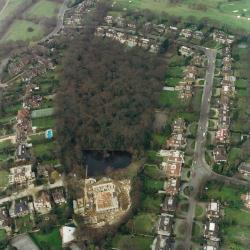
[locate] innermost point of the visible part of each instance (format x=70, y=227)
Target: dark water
x=98, y=162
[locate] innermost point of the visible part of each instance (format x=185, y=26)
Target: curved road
x=201, y=171
x=59, y=26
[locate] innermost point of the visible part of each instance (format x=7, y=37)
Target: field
x=19, y=15
x=43, y=9
x=237, y=229
x=142, y=223
x=50, y=241
x=11, y=8
x=226, y=13
x=4, y=175
x=23, y=30
x=44, y=122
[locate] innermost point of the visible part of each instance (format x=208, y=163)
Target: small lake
x=98, y=162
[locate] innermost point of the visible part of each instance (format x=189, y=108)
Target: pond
x=98, y=162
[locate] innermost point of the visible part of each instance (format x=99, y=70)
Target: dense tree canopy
x=107, y=97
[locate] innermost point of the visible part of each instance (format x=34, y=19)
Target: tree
x=106, y=100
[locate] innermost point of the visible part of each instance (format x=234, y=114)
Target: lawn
x=172, y=82
x=171, y=99
x=224, y=193
x=43, y=8
x=222, y=14
x=24, y=224
x=52, y=240
x=44, y=122
x=42, y=112
x=175, y=72
x=240, y=217
x=234, y=154
x=142, y=223
x=4, y=178
x=241, y=84
x=236, y=229
x=131, y=242
x=151, y=204
x=23, y=30
x=45, y=150
x=2, y=234
x=11, y=8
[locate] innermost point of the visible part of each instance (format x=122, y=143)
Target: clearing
x=23, y=30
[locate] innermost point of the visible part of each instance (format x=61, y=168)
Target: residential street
x=200, y=170
x=31, y=191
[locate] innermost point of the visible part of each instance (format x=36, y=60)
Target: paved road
x=200, y=170
x=59, y=25
x=31, y=191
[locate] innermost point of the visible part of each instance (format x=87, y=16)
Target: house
x=221, y=37
x=222, y=136
x=213, y=209
x=108, y=19
x=169, y=204
x=132, y=40
x=172, y=169
x=154, y=48
x=199, y=60
x=143, y=42
x=185, y=51
x=42, y=203
x=159, y=28
x=120, y=21
x=68, y=235
x=21, y=175
x=161, y=242
x=198, y=35
x=165, y=225
x=187, y=33
x=178, y=126
x=23, y=114
x=21, y=151
x=219, y=154
x=211, y=230
x=42, y=172
x=20, y=208
x=173, y=28
x=246, y=199
x=176, y=141
x=209, y=247
x=244, y=168
x=58, y=196
x=5, y=222
x=79, y=206
x=172, y=186
x=172, y=164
